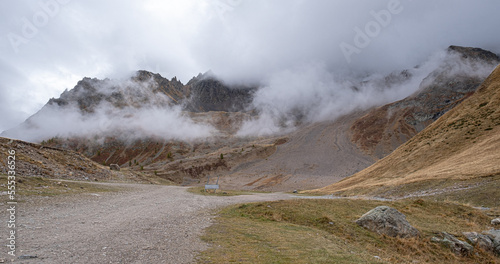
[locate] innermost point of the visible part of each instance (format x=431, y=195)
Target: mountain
x=318, y=154
x=457, y=152
x=383, y=129
x=203, y=93
x=145, y=105
x=159, y=127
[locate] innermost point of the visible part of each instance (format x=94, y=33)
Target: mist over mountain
x=145, y=105
x=149, y=105
x=455, y=79
x=241, y=41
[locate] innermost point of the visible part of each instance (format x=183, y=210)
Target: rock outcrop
x=388, y=221
x=458, y=247
x=494, y=235
x=480, y=240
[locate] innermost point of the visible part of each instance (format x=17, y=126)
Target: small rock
x=388, y=221
x=28, y=257
x=295, y=191
x=482, y=241
x=495, y=221
x=458, y=247
x=114, y=167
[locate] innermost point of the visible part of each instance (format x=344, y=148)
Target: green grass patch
x=324, y=231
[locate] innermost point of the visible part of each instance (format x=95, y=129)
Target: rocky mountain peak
x=474, y=53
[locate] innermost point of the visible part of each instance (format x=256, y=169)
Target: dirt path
x=147, y=224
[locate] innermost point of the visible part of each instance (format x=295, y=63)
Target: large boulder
x=459, y=247
x=388, y=221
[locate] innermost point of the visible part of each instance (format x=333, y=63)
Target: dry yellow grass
x=462, y=145
x=324, y=231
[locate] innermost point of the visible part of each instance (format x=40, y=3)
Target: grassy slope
x=324, y=231
x=456, y=150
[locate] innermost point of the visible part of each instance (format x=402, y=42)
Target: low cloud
x=137, y=113
x=256, y=41
x=313, y=94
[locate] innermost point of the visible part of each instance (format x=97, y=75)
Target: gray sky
x=47, y=46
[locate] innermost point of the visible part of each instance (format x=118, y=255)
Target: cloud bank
x=48, y=45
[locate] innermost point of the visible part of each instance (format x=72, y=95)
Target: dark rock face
x=388, y=221
x=209, y=94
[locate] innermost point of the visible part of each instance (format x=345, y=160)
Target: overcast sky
x=46, y=46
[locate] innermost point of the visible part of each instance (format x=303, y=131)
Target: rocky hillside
x=458, y=151
x=383, y=129
x=42, y=161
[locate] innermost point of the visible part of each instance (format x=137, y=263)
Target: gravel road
x=145, y=224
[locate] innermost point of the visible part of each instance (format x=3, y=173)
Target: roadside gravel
x=145, y=224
